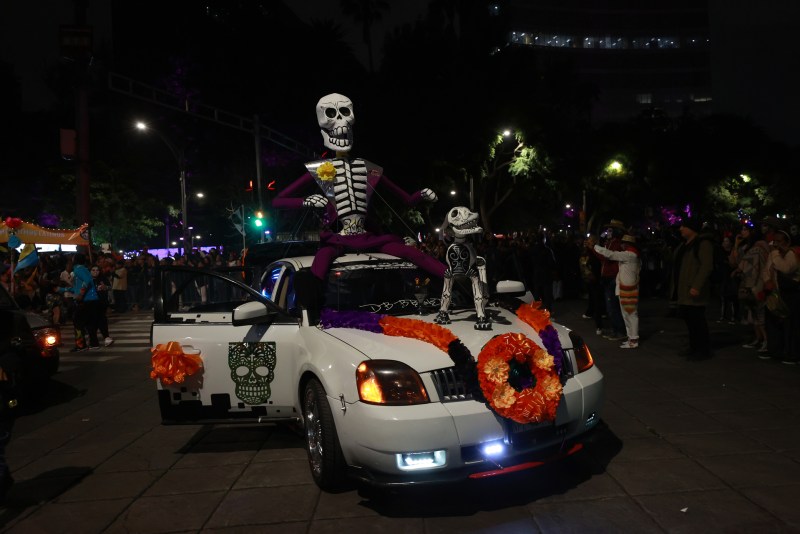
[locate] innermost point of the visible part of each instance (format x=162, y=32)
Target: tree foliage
x=120, y=215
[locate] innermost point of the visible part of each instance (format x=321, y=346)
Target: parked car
x=36, y=342
x=383, y=393
x=46, y=334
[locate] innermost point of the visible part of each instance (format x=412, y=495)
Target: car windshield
x=390, y=287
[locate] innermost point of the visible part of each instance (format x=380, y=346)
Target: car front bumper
x=375, y=439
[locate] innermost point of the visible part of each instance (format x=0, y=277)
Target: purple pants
x=334, y=245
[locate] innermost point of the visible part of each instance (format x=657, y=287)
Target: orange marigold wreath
x=518, y=379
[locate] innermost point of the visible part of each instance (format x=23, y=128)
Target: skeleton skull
x=336, y=118
x=252, y=370
x=463, y=222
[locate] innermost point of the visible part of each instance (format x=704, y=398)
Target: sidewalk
x=717, y=437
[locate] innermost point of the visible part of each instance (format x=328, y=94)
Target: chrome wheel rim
x=313, y=432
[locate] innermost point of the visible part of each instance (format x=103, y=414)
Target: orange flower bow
x=171, y=364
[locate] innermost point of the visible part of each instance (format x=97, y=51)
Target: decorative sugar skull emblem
x=252, y=369
x=336, y=118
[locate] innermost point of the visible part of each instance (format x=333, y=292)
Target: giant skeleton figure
x=462, y=260
x=347, y=186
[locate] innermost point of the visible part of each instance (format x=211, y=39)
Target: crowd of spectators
x=754, y=264
x=129, y=277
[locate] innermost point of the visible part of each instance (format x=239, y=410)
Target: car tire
x=325, y=458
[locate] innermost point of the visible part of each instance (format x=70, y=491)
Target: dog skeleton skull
x=463, y=261
x=336, y=117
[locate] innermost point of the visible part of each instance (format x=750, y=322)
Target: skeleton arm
x=287, y=198
x=409, y=200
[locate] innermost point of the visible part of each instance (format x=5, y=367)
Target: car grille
x=452, y=388
x=449, y=385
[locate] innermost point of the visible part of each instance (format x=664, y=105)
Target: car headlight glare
x=389, y=382
x=47, y=337
x=416, y=461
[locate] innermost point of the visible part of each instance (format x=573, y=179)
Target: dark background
x=433, y=94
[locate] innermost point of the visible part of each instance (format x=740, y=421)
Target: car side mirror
x=251, y=313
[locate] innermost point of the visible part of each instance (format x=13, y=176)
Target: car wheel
x=325, y=456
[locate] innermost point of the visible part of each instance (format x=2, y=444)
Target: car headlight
x=389, y=382
x=583, y=357
x=47, y=337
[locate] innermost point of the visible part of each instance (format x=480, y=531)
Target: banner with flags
x=28, y=257
x=31, y=233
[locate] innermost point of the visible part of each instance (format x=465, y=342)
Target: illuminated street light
x=745, y=178
x=200, y=195
x=615, y=166
x=181, y=161
x=506, y=133
x=453, y=193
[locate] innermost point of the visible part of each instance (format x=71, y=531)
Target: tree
x=508, y=168
x=120, y=214
x=365, y=12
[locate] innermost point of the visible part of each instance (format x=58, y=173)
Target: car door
x=248, y=372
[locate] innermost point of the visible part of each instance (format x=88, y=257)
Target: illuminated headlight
x=47, y=338
x=415, y=461
x=389, y=382
x=493, y=449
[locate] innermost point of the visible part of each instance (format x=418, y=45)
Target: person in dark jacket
x=690, y=286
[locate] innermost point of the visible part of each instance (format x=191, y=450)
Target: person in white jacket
x=627, y=286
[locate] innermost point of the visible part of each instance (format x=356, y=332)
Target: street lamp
x=181, y=161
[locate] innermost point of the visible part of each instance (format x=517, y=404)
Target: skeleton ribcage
x=460, y=258
x=350, y=190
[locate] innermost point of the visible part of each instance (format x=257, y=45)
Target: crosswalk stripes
x=130, y=332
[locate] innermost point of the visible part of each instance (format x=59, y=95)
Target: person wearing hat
x=609, y=268
x=750, y=258
x=627, y=285
x=690, y=286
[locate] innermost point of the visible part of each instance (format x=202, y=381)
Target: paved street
x=687, y=447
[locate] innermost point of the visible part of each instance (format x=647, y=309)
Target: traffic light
x=258, y=219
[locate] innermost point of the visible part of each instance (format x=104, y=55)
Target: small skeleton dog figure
x=463, y=261
x=347, y=186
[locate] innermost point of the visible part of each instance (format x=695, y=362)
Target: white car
x=388, y=407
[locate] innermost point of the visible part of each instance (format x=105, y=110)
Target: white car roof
x=301, y=262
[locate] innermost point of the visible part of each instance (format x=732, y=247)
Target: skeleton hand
x=428, y=195
x=315, y=201
x=410, y=241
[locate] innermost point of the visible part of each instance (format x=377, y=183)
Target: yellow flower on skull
x=496, y=370
x=326, y=171
x=503, y=396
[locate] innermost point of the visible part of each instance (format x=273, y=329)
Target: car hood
x=36, y=321
x=424, y=356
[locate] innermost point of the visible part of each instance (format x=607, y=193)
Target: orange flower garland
x=171, y=364
x=518, y=379
x=434, y=334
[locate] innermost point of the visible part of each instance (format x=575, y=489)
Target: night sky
x=281, y=72
x=755, y=52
